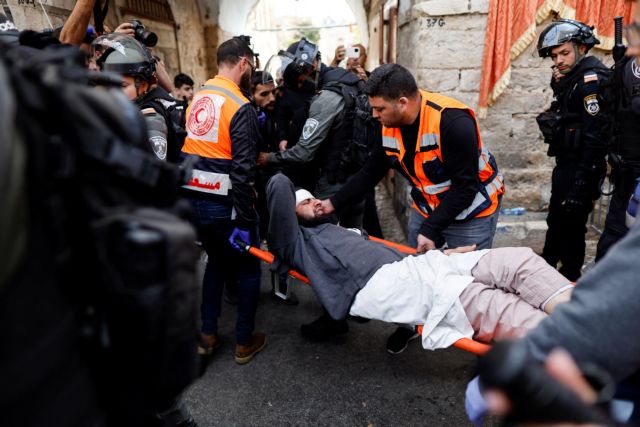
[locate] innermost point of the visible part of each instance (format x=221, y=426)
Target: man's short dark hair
x=232, y=50
x=258, y=77
x=182, y=79
x=391, y=81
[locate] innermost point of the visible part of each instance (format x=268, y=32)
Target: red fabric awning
x=511, y=28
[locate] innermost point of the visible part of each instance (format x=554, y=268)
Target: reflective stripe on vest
x=390, y=143
x=479, y=199
x=427, y=160
x=429, y=140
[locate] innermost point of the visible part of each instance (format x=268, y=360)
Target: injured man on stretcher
x=486, y=295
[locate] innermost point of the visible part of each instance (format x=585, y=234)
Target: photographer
x=356, y=56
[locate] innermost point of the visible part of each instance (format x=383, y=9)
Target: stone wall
x=441, y=42
x=181, y=46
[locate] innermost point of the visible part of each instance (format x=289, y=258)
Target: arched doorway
x=275, y=24
x=343, y=21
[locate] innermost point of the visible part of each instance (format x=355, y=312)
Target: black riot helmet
x=304, y=56
x=123, y=55
x=562, y=31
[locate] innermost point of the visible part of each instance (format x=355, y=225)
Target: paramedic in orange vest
x=434, y=142
x=222, y=131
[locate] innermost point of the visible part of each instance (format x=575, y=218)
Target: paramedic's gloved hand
x=242, y=235
x=474, y=402
x=326, y=207
x=425, y=244
x=262, y=119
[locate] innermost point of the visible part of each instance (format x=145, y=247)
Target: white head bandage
x=302, y=195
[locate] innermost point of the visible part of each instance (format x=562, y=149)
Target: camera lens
x=149, y=38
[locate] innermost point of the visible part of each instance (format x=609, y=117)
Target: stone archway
x=233, y=16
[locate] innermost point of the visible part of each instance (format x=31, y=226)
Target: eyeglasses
x=253, y=67
x=632, y=34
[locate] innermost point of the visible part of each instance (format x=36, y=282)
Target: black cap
x=8, y=31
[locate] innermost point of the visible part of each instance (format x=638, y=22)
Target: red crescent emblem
x=202, y=116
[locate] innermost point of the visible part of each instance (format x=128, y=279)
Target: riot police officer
x=125, y=55
x=624, y=152
x=574, y=129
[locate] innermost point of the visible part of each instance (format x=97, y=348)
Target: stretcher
x=466, y=344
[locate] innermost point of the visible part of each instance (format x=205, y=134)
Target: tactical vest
x=347, y=145
x=208, y=136
x=430, y=185
x=158, y=99
x=628, y=117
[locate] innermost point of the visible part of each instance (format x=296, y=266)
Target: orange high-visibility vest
x=208, y=135
x=429, y=183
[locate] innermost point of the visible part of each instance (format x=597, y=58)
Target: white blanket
x=422, y=290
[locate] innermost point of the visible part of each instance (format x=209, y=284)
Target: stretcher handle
x=398, y=246
x=465, y=344
x=268, y=257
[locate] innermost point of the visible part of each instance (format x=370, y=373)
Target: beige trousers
x=510, y=285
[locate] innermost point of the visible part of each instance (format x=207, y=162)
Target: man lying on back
x=488, y=294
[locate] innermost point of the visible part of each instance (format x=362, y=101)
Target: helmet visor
x=558, y=35
x=275, y=68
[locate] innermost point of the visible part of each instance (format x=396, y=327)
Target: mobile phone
x=353, y=52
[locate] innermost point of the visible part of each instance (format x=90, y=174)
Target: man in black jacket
x=573, y=128
x=624, y=152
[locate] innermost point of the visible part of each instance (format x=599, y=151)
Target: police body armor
x=629, y=112
x=165, y=106
x=560, y=126
x=349, y=144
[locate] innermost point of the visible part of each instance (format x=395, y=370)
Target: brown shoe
x=208, y=343
x=244, y=353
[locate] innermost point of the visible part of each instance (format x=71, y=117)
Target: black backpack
x=99, y=314
x=352, y=143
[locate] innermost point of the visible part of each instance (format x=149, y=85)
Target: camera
x=147, y=38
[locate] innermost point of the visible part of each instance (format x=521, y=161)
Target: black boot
x=324, y=328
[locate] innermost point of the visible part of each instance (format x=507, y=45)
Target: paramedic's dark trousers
x=214, y=224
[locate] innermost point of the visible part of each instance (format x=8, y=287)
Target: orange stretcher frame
x=466, y=344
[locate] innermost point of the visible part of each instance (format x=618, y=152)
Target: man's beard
x=245, y=82
x=312, y=222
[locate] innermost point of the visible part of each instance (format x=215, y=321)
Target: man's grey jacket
x=337, y=261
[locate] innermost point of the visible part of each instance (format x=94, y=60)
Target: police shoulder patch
x=309, y=128
x=591, y=105
x=159, y=146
